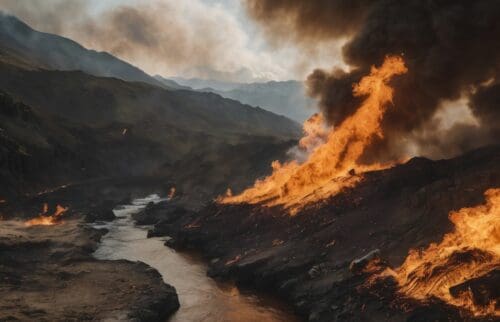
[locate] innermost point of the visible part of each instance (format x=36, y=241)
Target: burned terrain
x=322, y=259
x=349, y=222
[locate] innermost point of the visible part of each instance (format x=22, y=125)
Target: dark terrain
x=61, y=121
x=48, y=273
x=305, y=259
x=88, y=131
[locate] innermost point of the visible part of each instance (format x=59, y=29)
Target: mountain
x=171, y=83
x=122, y=128
x=286, y=98
x=201, y=84
x=59, y=53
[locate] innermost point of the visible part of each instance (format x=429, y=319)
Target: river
x=201, y=298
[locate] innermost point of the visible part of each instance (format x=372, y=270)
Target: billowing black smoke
x=451, y=48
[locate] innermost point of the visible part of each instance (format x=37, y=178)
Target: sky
x=188, y=38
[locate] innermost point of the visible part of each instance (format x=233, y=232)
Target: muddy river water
x=201, y=298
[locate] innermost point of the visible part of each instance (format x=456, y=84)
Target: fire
x=316, y=133
x=333, y=152
x=44, y=219
x=471, y=250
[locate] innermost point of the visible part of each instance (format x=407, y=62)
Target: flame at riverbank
x=46, y=219
x=470, y=251
x=327, y=170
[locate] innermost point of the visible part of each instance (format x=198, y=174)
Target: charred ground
x=306, y=258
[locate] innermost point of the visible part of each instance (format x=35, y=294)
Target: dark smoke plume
x=451, y=48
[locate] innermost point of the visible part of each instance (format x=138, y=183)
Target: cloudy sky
x=191, y=38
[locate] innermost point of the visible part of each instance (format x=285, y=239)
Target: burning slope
x=45, y=219
x=472, y=250
x=328, y=169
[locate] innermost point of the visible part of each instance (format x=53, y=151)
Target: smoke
x=46, y=15
x=167, y=37
x=451, y=49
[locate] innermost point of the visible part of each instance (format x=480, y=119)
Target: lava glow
x=333, y=154
x=44, y=219
x=471, y=250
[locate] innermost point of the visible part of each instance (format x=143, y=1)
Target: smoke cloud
x=191, y=38
x=451, y=49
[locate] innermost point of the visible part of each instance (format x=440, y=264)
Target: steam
x=451, y=49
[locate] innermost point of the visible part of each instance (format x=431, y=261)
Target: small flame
x=470, y=251
x=333, y=153
x=171, y=193
x=44, y=219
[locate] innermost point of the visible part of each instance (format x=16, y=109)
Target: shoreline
x=50, y=273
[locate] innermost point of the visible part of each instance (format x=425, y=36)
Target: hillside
x=321, y=260
x=283, y=98
x=39, y=151
x=121, y=128
x=200, y=83
x=98, y=101
x=286, y=98
x=59, y=53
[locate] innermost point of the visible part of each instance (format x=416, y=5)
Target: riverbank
x=201, y=297
x=49, y=273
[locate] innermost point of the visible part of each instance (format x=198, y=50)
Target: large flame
x=470, y=251
x=327, y=170
x=45, y=219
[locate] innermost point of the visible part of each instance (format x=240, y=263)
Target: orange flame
x=435, y=270
x=44, y=219
x=316, y=133
x=326, y=172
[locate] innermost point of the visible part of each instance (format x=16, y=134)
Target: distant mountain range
x=286, y=98
x=90, y=110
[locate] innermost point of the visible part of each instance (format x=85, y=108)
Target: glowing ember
x=171, y=194
x=326, y=172
x=44, y=219
x=470, y=251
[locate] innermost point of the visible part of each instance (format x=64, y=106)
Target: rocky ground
x=47, y=273
x=306, y=259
